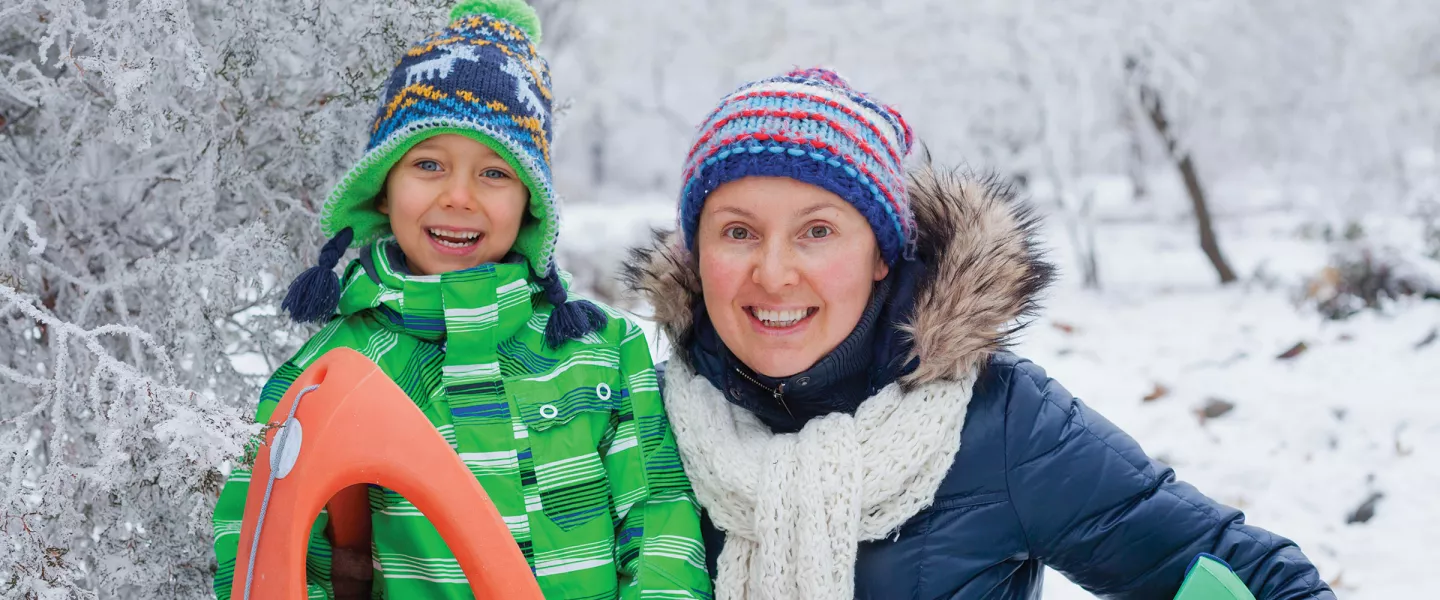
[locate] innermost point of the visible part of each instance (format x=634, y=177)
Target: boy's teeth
x=454, y=239
x=455, y=235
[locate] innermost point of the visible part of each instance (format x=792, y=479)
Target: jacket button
x=549, y=411
x=603, y=391
x=803, y=381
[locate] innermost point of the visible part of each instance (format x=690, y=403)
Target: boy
x=551, y=402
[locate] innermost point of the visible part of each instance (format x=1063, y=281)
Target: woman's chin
x=776, y=364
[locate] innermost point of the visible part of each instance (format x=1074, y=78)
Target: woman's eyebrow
x=814, y=208
x=745, y=214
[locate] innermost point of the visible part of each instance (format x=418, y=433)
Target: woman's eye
x=495, y=174
x=428, y=165
x=820, y=231
x=737, y=233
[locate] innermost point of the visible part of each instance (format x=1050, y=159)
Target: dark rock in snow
x=1215, y=408
x=1366, y=510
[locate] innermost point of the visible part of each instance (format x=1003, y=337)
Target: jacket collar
x=493, y=299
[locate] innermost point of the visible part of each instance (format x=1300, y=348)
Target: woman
x=841, y=398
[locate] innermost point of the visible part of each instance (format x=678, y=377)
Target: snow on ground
x=1309, y=439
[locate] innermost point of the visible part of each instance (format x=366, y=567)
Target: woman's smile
x=780, y=321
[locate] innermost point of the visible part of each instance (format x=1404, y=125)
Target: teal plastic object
x=1209, y=578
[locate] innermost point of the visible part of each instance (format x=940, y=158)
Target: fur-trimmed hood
x=984, y=273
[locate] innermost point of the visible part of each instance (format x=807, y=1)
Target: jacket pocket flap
x=547, y=404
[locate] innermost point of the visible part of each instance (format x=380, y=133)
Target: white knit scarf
x=796, y=506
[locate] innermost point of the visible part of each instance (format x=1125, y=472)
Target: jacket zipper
x=778, y=393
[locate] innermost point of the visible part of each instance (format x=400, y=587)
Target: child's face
x=453, y=204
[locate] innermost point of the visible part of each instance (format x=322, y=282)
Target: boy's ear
x=382, y=204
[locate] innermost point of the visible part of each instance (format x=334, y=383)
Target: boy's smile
x=453, y=204
x=455, y=242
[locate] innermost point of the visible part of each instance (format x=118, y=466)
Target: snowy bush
x=1363, y=276
x=163, y=163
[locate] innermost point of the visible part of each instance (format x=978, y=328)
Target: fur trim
x=665, y=274
x=984, y=273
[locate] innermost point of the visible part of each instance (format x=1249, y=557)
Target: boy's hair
x=480, y=77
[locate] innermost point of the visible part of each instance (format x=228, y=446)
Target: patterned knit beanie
x=811, y=126
x=480, y=77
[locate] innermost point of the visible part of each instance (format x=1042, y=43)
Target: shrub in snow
x=1361, y=276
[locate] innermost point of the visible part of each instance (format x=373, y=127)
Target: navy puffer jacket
x=1039, y=478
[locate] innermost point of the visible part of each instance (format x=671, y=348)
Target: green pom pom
x=517, y=12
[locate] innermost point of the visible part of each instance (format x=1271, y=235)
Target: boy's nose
x=459, y=194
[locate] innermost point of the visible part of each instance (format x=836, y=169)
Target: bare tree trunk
x=1208, y=242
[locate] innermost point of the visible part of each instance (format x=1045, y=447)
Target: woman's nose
x=776, y=269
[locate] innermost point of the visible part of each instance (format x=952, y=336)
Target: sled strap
x=282, y=439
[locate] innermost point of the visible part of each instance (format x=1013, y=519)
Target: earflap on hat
x=314, y=295
x=570, y=319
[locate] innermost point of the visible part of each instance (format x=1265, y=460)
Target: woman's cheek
x=836, y=274
x=721, y=271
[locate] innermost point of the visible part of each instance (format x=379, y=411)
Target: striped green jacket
x=572, y=444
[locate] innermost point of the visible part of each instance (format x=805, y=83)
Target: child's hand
x=351, y=573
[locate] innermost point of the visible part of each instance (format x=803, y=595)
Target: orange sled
x=355, y=426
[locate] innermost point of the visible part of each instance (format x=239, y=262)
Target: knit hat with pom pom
x=480, y=77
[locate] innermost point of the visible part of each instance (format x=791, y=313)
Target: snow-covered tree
x=163, y=163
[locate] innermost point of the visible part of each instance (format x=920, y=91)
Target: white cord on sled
x=277, y=452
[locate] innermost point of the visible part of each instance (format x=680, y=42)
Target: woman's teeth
x=781, y=318
x=454, y=239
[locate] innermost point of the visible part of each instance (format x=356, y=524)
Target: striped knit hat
x=480, y=77
x=811, y=126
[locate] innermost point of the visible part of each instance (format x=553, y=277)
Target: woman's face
x=786, y=269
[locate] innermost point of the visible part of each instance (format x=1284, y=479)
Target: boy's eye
x=737, y=233
x=494, y=174
x=428, y=165
x=820, y=231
